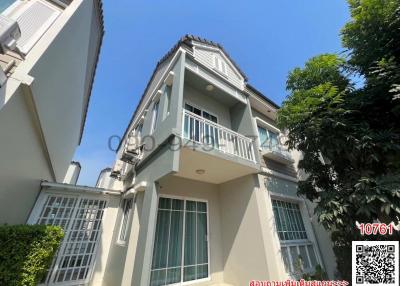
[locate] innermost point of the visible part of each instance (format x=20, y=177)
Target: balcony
x=275, y=151
x=215, y=136
x=213, y=153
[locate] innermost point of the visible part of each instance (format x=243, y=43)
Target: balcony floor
x=217, y=170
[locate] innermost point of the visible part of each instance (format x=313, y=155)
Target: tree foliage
x=349, y=134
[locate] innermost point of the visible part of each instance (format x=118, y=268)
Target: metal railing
x=215, y=136
x=275, y=147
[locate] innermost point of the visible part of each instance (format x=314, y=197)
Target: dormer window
x=219, y=64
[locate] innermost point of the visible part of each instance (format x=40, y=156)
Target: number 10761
x=375, y=228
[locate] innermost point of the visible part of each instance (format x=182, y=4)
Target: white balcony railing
x=215, y=136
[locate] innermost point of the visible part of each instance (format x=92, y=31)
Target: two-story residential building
x=203, y=191
x=48, y=55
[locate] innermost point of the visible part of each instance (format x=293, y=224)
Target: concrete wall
x=245, y=234
x=41, y=109
x=72, y=175
x=207, y=103
x=23, y=161
x=109, y=231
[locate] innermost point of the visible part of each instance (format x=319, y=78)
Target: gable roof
x=186, y=41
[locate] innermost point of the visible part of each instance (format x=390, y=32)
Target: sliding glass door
x=180, y=251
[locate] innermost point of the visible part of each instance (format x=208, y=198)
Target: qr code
x=375, y=263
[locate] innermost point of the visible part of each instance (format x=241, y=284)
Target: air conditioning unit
x=133, y=150
x=117, y=170
x=9, y=33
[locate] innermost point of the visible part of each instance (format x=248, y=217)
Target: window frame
x=268, y=127
x=202, y=110
x=155, y=113
x=127, y=217
x=187, y=198
x=311, y=239
x=168, y=96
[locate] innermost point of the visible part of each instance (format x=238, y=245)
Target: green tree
x=349, y=134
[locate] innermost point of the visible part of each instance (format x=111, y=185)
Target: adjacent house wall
x=58, y=65
x=23, y=162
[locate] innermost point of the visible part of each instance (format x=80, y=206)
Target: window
x=155, y=116
x=201, y=132
x=297, y=250
x=167, y=91
x=138, y=130
x=201, y=113
x=126, y=208
x=268, y=139
x=180, y=251
x=219, y=64
x=34, y=18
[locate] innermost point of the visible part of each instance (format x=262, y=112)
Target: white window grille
x=126, y=208
x=81, y=219
x=297, y=250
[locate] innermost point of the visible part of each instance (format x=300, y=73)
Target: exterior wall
x=207, y=103
x=245, y=233
x=110, y=228
x=61, y=94
x=72, y=173
x=23, y=161
x=42, y=110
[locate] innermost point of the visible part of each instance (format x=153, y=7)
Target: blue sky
x=266, y=39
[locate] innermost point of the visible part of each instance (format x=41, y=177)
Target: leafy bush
x=26, y=252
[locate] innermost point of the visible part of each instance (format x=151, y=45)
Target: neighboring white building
x=46, y=77
x=202, y=192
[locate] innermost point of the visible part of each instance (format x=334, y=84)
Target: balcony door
x=203, y=131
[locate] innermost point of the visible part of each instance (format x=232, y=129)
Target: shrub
x=26, y=252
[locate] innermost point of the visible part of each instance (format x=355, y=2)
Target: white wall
x=72, y=175
x=22, y=160
x=58, y=64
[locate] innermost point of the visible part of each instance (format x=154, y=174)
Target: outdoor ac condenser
x=132, y=150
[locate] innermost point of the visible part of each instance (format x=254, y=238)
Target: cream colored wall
x=22, y=160
x=110, y=227
x=72, y=175
x=248, y=251
x=58, y=66
x=41, y=110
